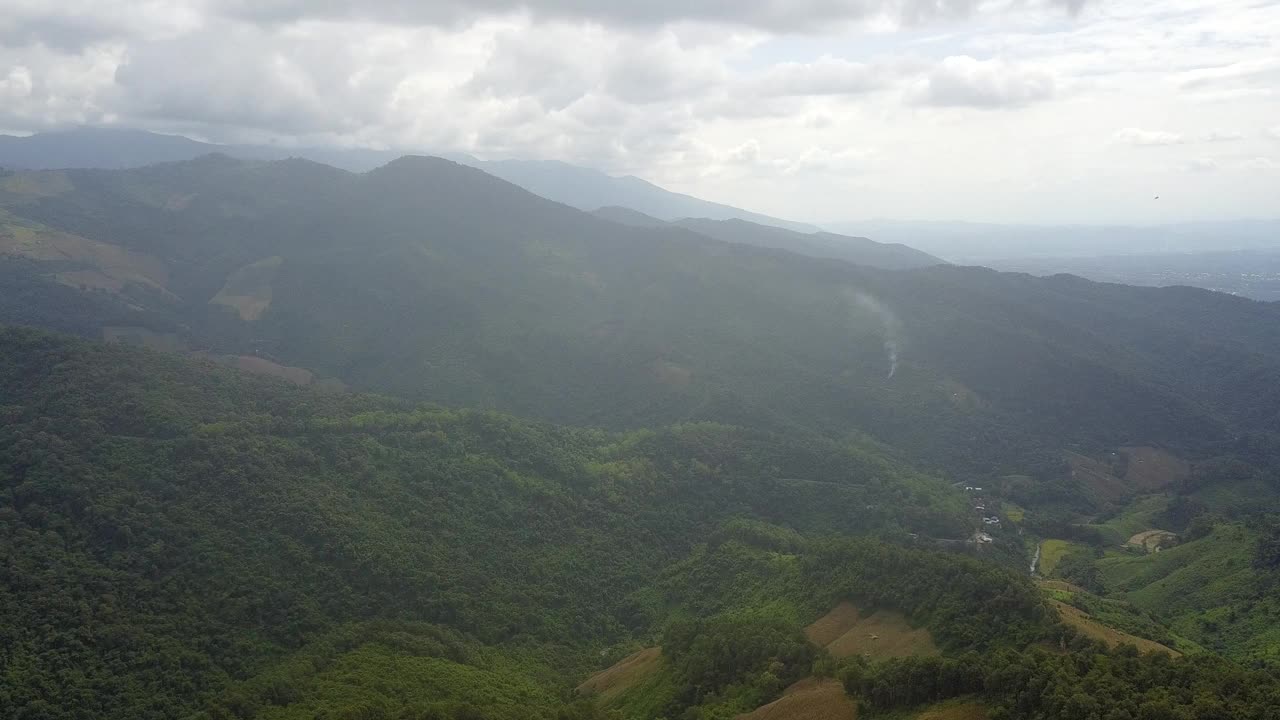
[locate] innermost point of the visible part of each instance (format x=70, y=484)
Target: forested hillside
x=169, y=528
x=181, y=540
x=428, y=280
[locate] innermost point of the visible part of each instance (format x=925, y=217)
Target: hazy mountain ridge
x=861, y=251
x=431, y=280
x=583, y=188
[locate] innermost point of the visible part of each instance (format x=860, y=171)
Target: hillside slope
x=169, y=529
x=433, y=281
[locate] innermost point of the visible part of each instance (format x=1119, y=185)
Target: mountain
x=179, y=540
x=583, y=188
x=588, y=189
x=861, y=251
x=742, y=480
x=96, y=148
x=430, y=280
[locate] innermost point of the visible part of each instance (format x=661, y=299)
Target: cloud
x=1261, y=74
x=1202, y=165
x=765, y=15
x=826, y=76
x=1148, y=138
x=1264, y=164
x=963, y=81
x=1274, y=132
x=1216, y=136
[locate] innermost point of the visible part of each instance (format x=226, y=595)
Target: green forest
x=283, y=442
x=181, y=540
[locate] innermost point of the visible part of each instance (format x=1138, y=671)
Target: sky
x=1030, y=111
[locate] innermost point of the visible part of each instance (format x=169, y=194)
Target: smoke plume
x=889, y=322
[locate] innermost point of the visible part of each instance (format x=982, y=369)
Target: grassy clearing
x=1088, y=625
x=1150, y=468
x=1205, y=590
x=627, y=673
x=1052, y=551
x=1139, y=516
x=810, y=699
x=248, y=290
x=846, y=631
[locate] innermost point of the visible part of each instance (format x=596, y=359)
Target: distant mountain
x=1249, y=273
x=588, y=189
x=97, y=148
x=579, y=187
x=815, y=244
x=982, y=243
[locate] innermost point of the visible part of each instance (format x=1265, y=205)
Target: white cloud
x=789, y=108
x=825, y=76
x=1274, y=132
x=1202, y=165
x=963, y=81
x=1216, y=136
x=1148, y=138
x=1265, y=164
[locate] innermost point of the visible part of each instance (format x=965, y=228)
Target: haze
x=1026, y=111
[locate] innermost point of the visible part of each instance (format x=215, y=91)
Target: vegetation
x=1088, y=684
x=175, y=532
x=762, y=438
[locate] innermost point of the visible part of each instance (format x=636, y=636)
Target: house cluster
x=980, y=507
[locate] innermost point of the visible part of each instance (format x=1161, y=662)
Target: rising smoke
x=889, y=322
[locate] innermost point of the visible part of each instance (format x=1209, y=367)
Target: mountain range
x=283, y=440
x=583, y=188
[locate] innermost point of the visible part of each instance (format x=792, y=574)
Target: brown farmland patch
x=1085, y=623
x=248, y=290
x=113, y=267
x=1097, y=477
x=846, y=631
x=1151, y=468
x=1153, y=540
x=261, y=366
x=624, y=674
x=809, y=699
x=955, y=710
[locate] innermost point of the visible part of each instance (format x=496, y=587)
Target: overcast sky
x=1006, y=111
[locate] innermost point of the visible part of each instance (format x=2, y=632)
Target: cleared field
x=1151, y=468
x=846, y=631
x=1112, y=637
x=625, y=674
x=248, y=290
x=1140, y=515
x=113, y=267
x=809, y=699
x=1097, y=477
x=1152, y=540
x=1051, y=552
x=955, y=710
x=260, y=366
